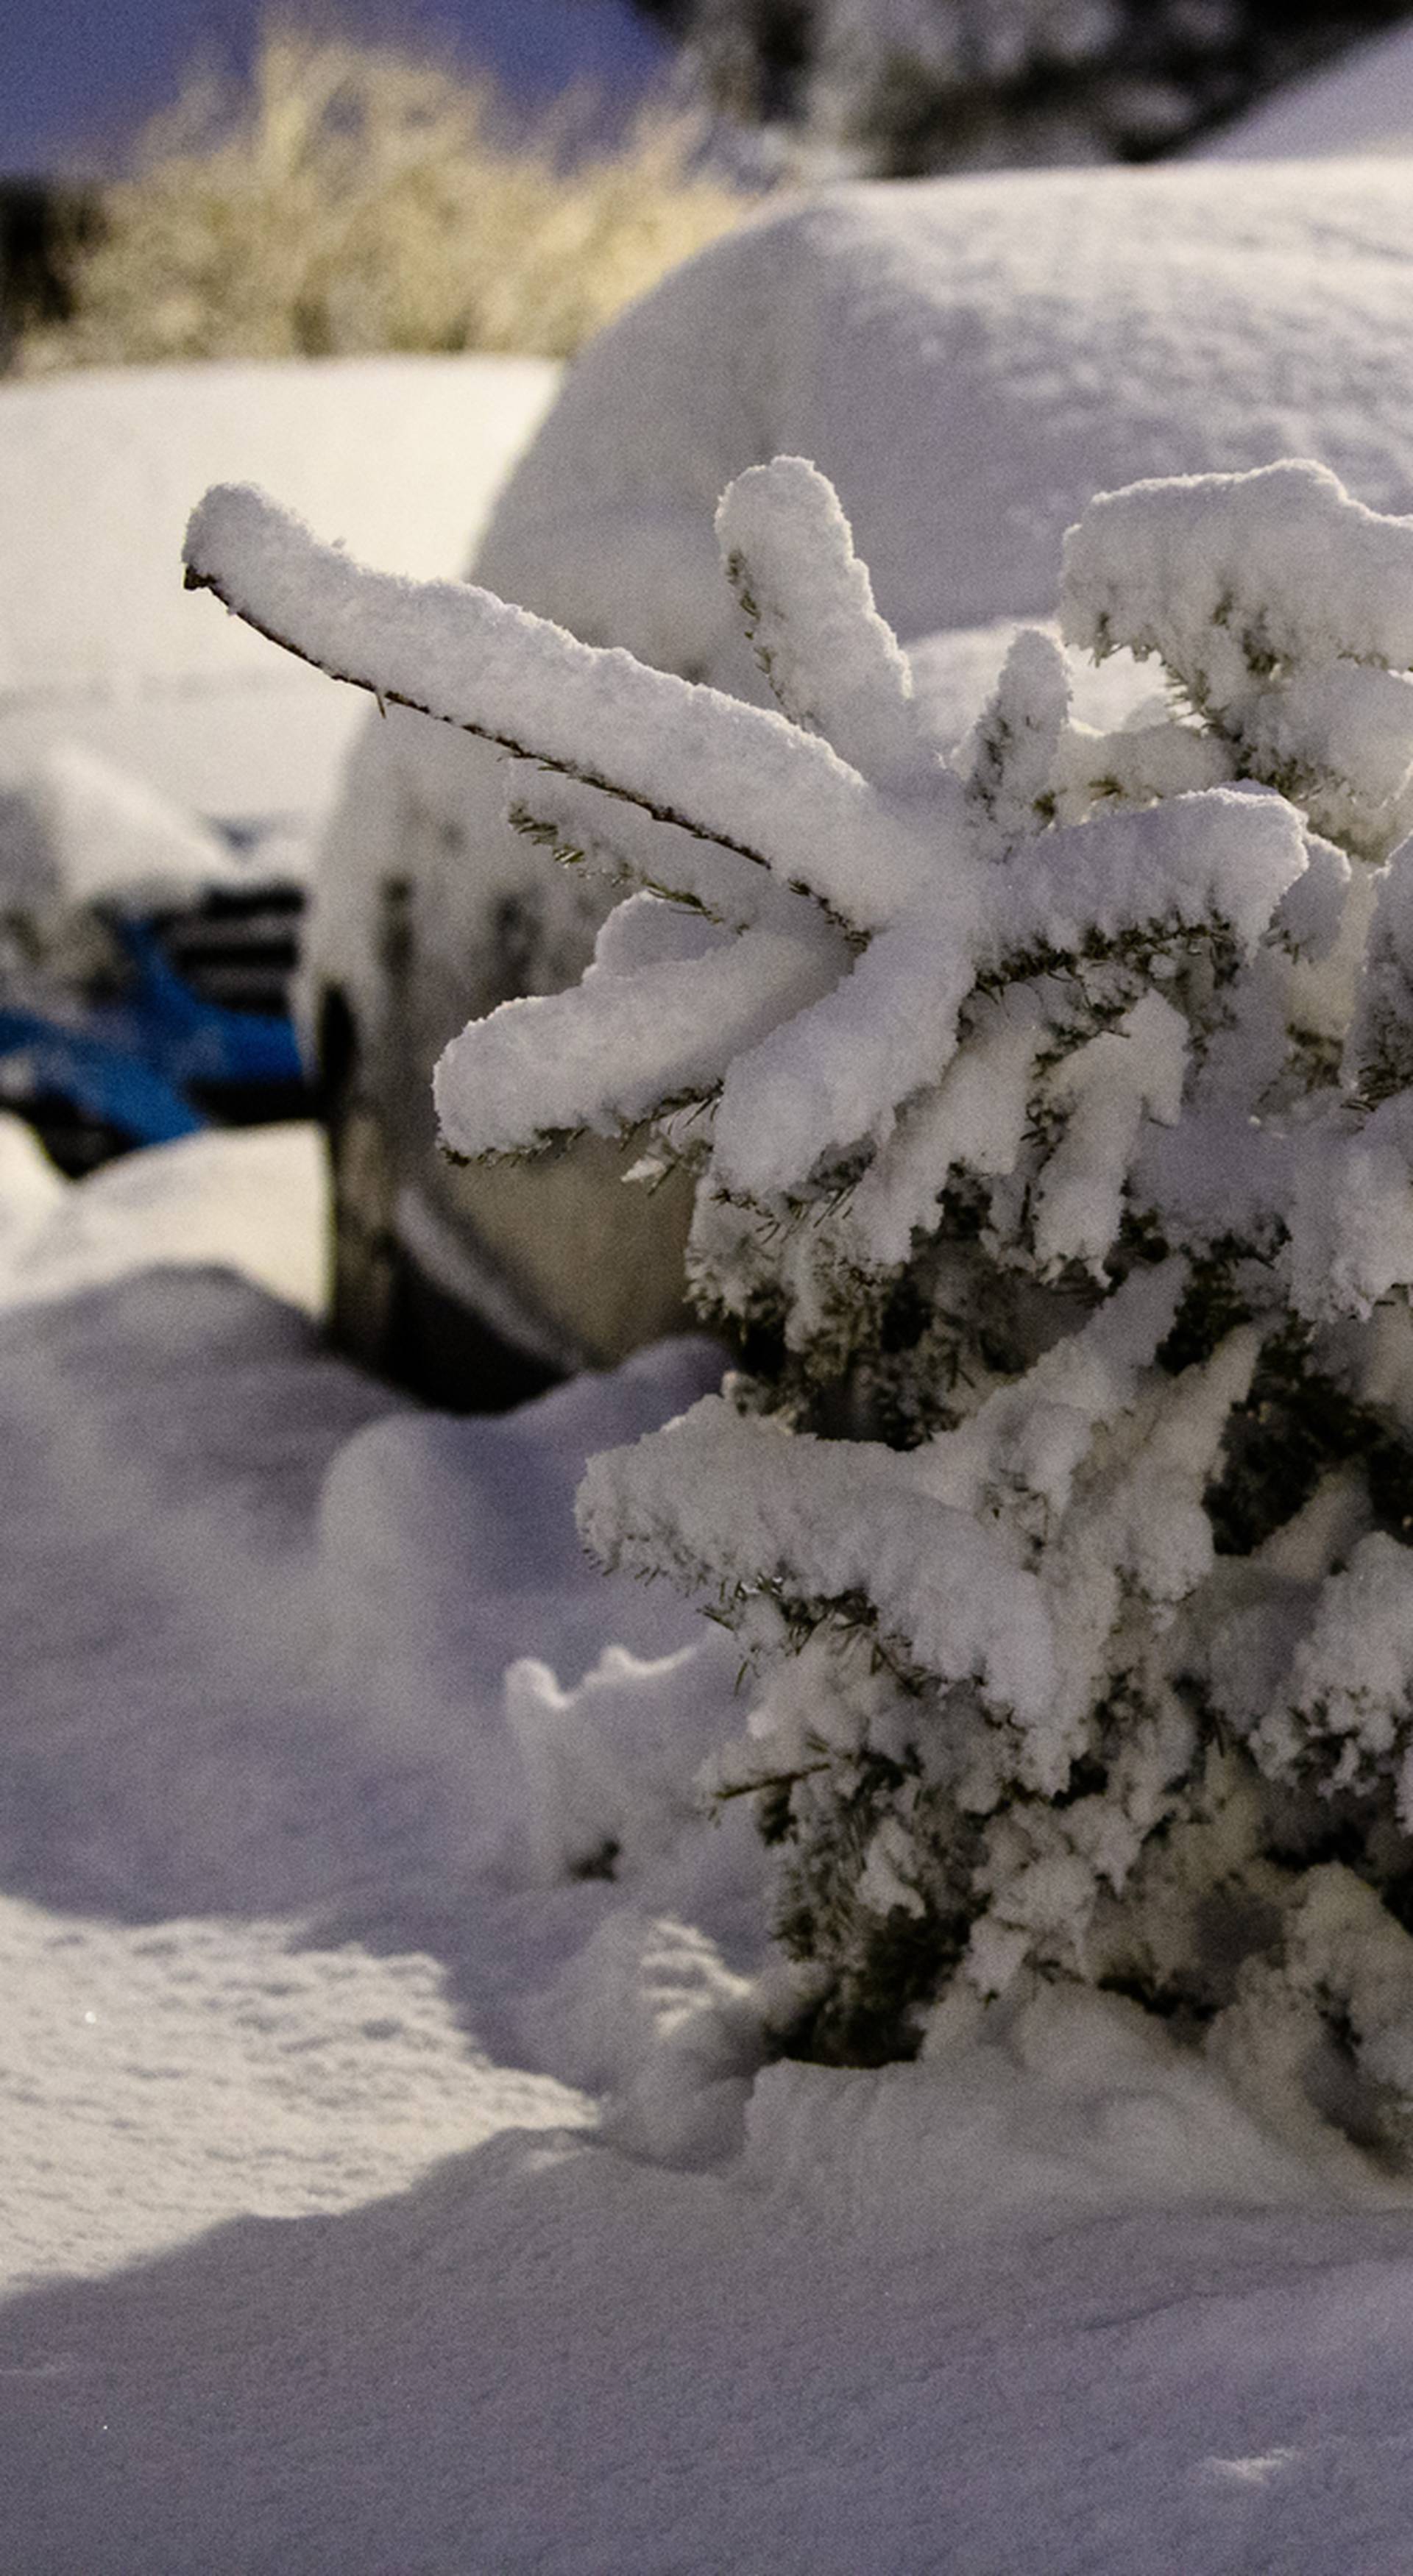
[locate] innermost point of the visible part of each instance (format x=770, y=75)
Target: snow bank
x=253, y=1198
x=611, y=1765
x=647, y=2014
x=183, y=2073
x=1073, y=2105
x=448, y=1547
x=31, y=1188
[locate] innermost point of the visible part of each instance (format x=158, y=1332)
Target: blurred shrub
x=355, y=198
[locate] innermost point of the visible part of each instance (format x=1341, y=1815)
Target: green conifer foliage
x=1050, y=1115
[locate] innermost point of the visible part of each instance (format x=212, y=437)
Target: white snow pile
x=969, y=361
x=1363, y=102
x=253, y=1199
x=74, y=826
x=350, y=1849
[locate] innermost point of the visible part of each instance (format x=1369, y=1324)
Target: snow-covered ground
x=381, y=2197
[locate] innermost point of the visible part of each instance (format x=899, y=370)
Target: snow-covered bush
x=355, y=197
x=1051, y=1113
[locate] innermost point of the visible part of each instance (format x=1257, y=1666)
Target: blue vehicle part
x=143, y=1063
x=181, y=1035
x=110, y=1086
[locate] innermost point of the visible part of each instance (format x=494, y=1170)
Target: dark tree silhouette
x=907, y=86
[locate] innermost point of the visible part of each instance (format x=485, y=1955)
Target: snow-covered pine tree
x=1051, y=1112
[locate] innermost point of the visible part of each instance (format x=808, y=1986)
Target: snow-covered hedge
x=1051, y=1112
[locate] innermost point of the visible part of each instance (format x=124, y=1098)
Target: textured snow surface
x=380, y=2195
x=183, y=2073
x=968, y=361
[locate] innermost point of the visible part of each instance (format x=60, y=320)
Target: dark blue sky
x=75, y=73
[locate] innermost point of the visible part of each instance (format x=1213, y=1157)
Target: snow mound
x=252, y=1198
x=32, y=1190
x=448, y=1547
x=1074, y=2105
x=648, y=2014
x=611, y=1764
x=968, y=361
x=1049, y=2302
x=1361, y=103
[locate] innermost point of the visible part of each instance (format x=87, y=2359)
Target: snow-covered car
x=969, y=362
x=166, y=768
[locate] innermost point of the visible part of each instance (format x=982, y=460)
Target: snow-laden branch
x=719, y=1499
x=1283, y=609
x=682, y=752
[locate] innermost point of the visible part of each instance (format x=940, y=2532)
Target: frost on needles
x=1050, y=1109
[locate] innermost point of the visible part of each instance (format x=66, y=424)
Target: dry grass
x=354, y=198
